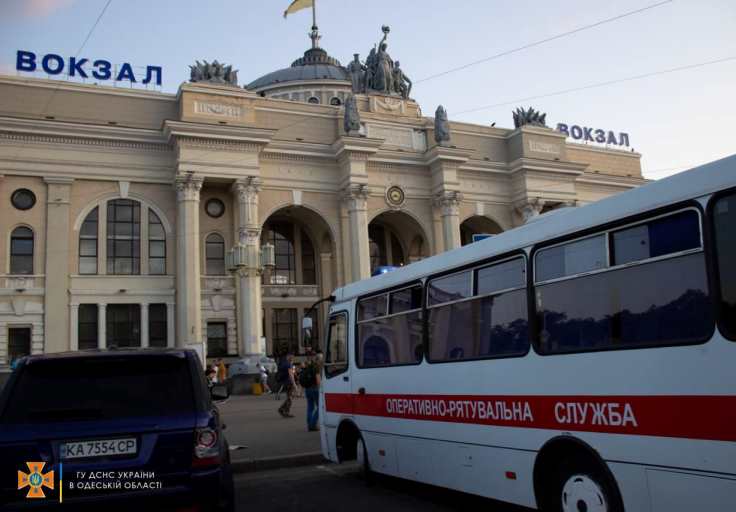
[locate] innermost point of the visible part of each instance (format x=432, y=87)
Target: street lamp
x=242, y=258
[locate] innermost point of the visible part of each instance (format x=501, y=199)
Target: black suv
x=115, y=427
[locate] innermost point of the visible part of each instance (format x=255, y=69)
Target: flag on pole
x=298, y=5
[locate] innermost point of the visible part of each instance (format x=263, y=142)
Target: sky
x=675, y=120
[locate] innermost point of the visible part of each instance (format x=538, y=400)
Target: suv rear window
x=100, y=388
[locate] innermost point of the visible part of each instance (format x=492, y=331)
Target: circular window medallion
x=23, y=199
x=395, y=196
x=215, y=208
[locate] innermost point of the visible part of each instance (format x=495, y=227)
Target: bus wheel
x=580, y=485
x=361, y=455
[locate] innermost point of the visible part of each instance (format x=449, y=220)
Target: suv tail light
x=206, y=448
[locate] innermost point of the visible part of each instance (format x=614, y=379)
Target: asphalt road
x=328, y=488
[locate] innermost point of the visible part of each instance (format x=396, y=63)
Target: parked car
x=249, y=366
x=144, y=418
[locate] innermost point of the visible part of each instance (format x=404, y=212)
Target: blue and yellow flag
x=298, y=5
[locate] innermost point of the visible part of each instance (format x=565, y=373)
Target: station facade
x=117, y=207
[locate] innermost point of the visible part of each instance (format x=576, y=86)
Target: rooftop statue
x=441, y=127
x=529, y=116
x=215, y=72
x=379, y=74
x=352, y=116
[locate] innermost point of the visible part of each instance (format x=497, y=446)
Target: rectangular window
x=336, y=346
x=449, y=288
x=667, y=235
x=494, y=325
x=405, y=300
x=157, y=333
x=87, y=327
x=216, y=339
x=19, y=342
x=88, y=244
x=571, y=258
x=123, y=237
x=664, y=302
x=285, y=333
x=724, y=228
x=372, y=307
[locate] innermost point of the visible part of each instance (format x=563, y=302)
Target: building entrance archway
x=395, y=239
x=477, y=225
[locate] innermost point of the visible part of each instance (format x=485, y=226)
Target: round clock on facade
x=214, y=208
x=395, y=196
x=23, y=199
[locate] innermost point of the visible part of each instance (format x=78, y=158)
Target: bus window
x=724, y=222
x=571, y=258
x=493, y=324
x=662, y=302
x=671, y=234
x=449, y=288
x=395, y=338
x=372, y=307
x=336, y=358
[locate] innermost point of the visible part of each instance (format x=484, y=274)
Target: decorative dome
x=315, y=65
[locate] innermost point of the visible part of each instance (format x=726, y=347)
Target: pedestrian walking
x=221, y=371
x=310, y=380
x=264, y=378
x=286, y=380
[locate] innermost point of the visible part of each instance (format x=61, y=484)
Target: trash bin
x=256, y=388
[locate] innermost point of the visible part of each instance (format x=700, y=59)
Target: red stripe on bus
x=687, y=416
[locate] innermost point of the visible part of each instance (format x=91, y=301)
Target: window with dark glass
x=571, y=258
x=336, y=346
x=449, y=288
x=215, y=255
x=19, y=342
x=285, y=331
x=660, y=302
x=380, y=240
x=309, y=267
x=668, y=235
x=390, y=337
x=21, y=251
x=123, y=237
x=23, y=199
x=491, y=323
x=123, y=325
x=724, y=228
x=156, y=245
x=87, y=327
x=281, y=236
x=157, y=334
x=88, y=243
x=216, y=339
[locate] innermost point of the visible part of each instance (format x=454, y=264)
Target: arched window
x=156, y=245
x=281, y=236
x=335, y=101
x=309, y=267
x=88, y=244
x=313, y=99
x=21, y=251
x=214, y=251
x=380, y=240
x=123, y=237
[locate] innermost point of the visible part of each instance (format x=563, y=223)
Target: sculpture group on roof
x=379, y=73
x=215, y=72
x=529, y=116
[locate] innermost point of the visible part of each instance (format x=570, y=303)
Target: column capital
x=188, y=186
x=448, y=201
x=530, y=209
x=355, y=196
x=247, y=188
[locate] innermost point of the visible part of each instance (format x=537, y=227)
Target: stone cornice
x=215, y=90
x=298, y=151
x=62, y=85
x=443, y=154
x=547, y=166
x=355, y=148
x=537, y=130
x=59, y=132
x=601, y=149
x=217, y=136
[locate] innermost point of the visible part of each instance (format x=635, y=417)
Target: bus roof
x=699, y=181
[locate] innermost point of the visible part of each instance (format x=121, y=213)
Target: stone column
x=170, y=326
x=188, y=308
x=448, y=203
x=530, y=209
x=249, y=278
x=356, y=199
x=144, y=326
x=56, y=299
x=101, y=326
x=74, y=327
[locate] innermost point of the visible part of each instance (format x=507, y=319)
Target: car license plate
x=98, y=448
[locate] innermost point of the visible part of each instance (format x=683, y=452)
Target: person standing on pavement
x=286, y=374
x=264, y=378
x=310, y=380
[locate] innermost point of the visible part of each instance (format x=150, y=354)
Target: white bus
x=585, y=361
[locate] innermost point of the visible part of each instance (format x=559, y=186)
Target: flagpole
x=314, y=13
